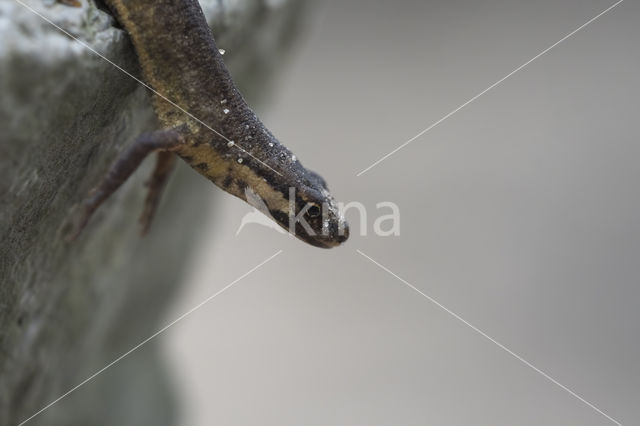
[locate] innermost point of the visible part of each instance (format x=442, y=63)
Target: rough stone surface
x=67, y=310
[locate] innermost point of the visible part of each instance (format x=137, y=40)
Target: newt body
x=210, y=126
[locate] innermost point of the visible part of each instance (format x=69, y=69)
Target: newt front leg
x=161, y=141
x=165, y=163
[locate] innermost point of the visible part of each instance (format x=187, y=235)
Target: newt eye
x=314, y=211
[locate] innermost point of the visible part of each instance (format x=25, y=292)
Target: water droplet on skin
x=270, y=143
x=230, y=144
x=224, y=101
x=240, y=160
x=293, y=158
x=226, y=111
x=222, y=51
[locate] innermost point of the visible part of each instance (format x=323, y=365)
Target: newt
x=208, y=124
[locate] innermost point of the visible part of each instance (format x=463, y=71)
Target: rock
x=67, y=310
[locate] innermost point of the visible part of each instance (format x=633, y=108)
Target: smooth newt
x=209, y=125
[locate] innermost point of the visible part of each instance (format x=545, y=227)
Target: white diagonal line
x=68, y=34
x=148, y=339
x=482, y=333
x=489, y=88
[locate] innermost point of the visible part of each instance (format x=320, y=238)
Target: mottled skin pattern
x=220, y=136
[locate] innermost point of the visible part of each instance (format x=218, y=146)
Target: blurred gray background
x=519, y=213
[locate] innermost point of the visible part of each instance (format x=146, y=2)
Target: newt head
x=318, y=219
x=307, y=210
